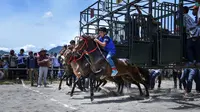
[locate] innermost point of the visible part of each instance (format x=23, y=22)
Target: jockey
x=72, y=43
x=109, y=47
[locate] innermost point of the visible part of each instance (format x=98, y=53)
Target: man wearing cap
x=192, y=40
x=109, y=47
x=43, y=62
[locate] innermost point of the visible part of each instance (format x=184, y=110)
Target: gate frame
x=124, y=9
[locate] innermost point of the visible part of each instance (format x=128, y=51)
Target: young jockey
x=109, y=47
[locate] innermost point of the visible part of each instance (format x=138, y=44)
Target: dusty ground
x=23, y=98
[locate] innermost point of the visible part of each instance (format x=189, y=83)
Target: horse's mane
x=89, y=36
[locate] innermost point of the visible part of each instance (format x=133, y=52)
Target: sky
x=36, y=24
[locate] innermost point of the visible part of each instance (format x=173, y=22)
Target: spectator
x=1, y=73
x=122, y=40
x=153, y=74
x=36, y=64
x=1, y=64
x=5, y=66
x=12, y=61
x=43, y=62
x=31, y=65
x=21, y=62
x=55, y=64
x=21, y=59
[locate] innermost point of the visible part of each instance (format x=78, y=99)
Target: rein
x=85, y=52
x=74, y=59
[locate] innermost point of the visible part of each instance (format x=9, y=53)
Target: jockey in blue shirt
x=107, y=43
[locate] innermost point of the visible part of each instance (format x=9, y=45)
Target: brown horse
x=68, y=74
x=68, y=70
x=87, y=45
x=82, y=68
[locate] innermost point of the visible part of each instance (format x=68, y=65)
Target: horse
x=81, y=68
x=83, y=65
x=128, y=72
x=68, y=73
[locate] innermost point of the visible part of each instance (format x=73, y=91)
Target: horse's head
x=85, y=43
x=67, y=56
x=62, y=51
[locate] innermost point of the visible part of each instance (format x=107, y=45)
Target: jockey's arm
x=103, y=44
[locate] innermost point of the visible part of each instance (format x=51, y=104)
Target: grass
x=6, y=82
x=27, y=82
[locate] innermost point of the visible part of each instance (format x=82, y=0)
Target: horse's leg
x=87, y=83
x=147, y=90
x=122, y=87
x=80, y=84
x=67, y=77
x=71, y=80
x=98, y=85
x=104, y=82
x=83, y=83
x=119, y=87
x=67, y=80
x=159, y=81
x=139, y=87
x=91, y=88
x=59, y=88
x=137, y=84
x=74, y=85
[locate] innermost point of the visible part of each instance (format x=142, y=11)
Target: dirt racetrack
x=23, y=98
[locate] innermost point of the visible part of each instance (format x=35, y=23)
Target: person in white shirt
x=55, y=64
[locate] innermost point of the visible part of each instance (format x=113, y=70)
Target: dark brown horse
x=82, y=68
x=87, y=45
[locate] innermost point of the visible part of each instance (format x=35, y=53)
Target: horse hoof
x=71, y=97
x=92, y=99
x=147, y=95
x=59, y=88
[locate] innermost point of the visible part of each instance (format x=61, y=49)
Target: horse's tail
x=145, y=74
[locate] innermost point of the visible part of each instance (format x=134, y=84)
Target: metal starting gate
x=150, y=38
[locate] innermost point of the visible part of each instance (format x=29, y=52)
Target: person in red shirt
x=43, y=62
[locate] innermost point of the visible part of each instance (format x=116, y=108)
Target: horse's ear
x=70, y=48
x=84, y=36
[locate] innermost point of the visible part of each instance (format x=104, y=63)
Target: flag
x=91, y=12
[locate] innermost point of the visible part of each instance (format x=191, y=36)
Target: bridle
x=74, y=59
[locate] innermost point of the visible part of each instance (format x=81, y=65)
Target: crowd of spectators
x=23, y=65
